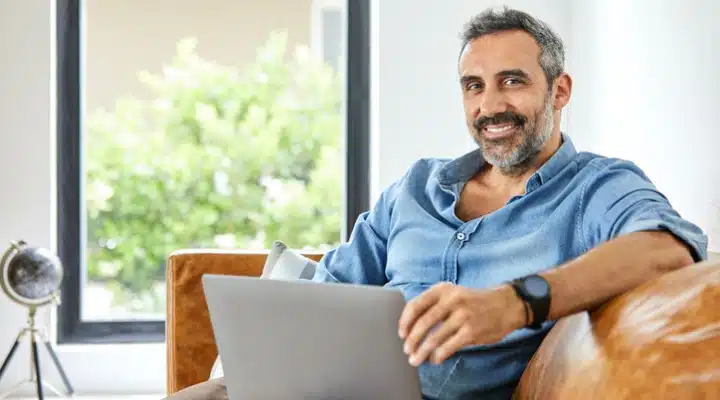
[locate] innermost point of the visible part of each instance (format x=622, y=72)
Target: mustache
x=501, y=118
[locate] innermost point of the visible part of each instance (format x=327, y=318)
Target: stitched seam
x=579, y=219
x=450, y=374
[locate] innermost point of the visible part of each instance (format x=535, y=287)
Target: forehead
x=500, y=51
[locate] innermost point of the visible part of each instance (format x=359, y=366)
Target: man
x=492, y=247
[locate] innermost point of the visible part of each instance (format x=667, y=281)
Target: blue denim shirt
x=412, y=239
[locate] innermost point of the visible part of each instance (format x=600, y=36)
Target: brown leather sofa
x=659, y=341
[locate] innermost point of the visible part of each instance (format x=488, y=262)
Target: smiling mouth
x=498, y=131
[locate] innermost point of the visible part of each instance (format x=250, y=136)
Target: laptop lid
x=281, y=339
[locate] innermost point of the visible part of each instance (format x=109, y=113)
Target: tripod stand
x=36, y=335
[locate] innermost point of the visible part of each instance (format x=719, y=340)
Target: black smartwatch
x=534, y=290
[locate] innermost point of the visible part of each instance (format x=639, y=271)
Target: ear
x=563, y=90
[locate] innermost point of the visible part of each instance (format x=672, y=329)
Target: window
x=196, y=124
x=327, y=31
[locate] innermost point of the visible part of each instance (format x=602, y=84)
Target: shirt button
x=460, y=236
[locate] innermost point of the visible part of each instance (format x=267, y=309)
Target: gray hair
x=552, y=52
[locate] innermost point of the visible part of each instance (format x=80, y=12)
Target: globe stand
x=36, y=335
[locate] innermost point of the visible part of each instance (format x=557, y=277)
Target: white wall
x=647, y=89
x=25, y=165
x=669, y=134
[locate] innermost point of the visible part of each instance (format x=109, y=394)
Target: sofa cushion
x=285, y=264
x=282, y=263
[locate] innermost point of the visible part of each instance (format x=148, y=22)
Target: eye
x=473, y=86
x=512, y=81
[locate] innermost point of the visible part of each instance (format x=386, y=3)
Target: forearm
x=474, y=317
x=611, y=269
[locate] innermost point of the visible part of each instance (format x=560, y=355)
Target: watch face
x=536, y=286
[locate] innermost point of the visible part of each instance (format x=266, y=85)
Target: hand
x=461, y=317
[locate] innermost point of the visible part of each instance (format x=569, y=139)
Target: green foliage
x=218, y=157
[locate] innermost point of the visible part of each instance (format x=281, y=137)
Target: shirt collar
x=464, y=167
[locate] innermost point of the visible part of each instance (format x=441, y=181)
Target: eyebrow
x=515, y=73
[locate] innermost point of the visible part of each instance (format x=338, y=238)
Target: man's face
x=509, y=108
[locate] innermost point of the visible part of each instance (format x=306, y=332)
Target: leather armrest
x=660, y=340
x=190, y=342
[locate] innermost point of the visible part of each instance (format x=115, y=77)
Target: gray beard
x=521, y=157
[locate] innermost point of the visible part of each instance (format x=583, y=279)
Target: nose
x=492, y=102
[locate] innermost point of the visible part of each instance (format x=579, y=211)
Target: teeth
x=500, y=129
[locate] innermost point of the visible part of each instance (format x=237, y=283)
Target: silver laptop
x=282, y=339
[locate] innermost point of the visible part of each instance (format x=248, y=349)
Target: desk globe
x=31, y=276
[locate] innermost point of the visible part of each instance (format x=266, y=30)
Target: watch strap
x=539, y=306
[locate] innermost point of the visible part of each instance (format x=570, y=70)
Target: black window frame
x=71, y=220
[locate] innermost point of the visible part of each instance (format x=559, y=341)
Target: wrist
x=518, y=314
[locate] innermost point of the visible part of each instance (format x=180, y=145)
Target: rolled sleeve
x=621, y=199
x=670, y=221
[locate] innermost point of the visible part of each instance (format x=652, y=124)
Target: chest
x=480, y=253
x=476, y=239
x=476, y=201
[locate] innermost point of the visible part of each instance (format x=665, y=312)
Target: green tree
x=218, y=156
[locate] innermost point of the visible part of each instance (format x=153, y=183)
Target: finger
x=427, y=321
x=414, y=309
x=436, y=339
x=457, y=341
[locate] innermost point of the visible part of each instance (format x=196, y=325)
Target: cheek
x=525, y=99
x=529, y=109
x=468, y=113
x=471, y=108
x=520, y=103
